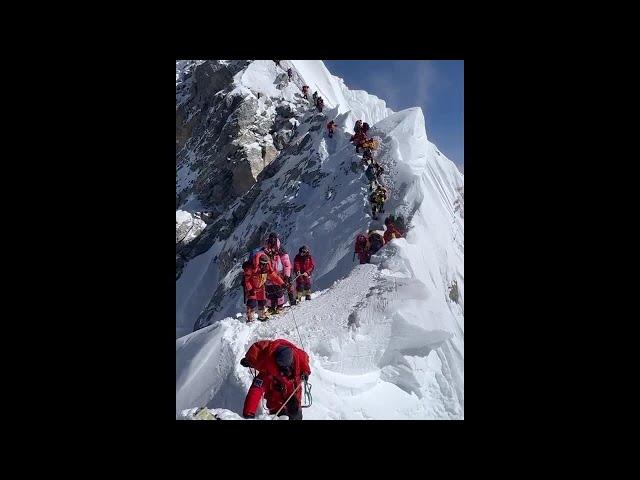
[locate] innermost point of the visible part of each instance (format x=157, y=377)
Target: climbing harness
x=307, y=395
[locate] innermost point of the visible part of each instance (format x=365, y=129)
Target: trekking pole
x=293, y=393
x=354, y=257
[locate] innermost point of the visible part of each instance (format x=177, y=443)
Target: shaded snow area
x=386, y=339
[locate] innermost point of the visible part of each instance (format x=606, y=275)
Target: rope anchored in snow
x=293, y=315
x=307, y=386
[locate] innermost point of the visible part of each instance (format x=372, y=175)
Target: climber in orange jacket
x=391, y=231
x=255, y=278
x=358, y=139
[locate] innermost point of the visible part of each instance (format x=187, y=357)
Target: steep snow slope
x=313, y=175
x=381, y=347
x=360, y=104
x=265, y=77
x=386, y=341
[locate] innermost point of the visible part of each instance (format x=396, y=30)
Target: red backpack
x=361, y=242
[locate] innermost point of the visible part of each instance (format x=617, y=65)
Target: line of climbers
x=267, y=276
x=374, y=170
x=317, y=101
x=281, y=366
x=379, y=193
x=371, y=242
x=368, y=244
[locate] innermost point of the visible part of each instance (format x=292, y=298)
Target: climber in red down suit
x=303, y=265
x=282, y=368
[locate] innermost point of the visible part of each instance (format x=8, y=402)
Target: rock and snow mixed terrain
x=385, y=340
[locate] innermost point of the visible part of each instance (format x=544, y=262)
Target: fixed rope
x=292, y=394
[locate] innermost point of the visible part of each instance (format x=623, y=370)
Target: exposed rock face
x=188, y=226
x=249, y=150
x=225, y=135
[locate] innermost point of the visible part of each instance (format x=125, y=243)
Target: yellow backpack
x=372, y=144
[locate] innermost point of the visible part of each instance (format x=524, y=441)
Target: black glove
x=304, y=377
x=244, y=362
x=293, y=406
x=287, y=280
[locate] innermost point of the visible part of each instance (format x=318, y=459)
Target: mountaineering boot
x=307, y=294
x=249, y=315
x=263, y=315
x=299, y=297
x=292, y=299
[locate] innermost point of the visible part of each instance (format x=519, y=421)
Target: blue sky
x=435, y=85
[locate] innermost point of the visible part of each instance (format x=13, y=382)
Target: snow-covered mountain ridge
x=386, y=340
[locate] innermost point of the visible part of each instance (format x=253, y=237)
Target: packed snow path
x=379, y=349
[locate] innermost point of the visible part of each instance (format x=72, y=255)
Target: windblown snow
x=386, y=339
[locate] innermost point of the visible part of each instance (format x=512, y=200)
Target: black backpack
x=376, y=241
x=370, y=173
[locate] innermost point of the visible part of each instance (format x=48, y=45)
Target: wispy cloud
x=425, y=78
x=404, y=87
x=386, y=86
x=434, y=85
